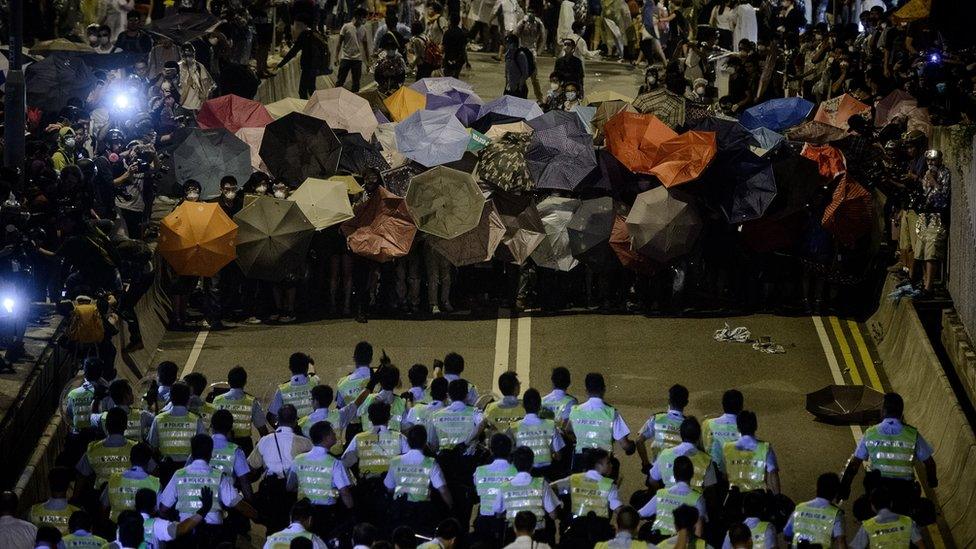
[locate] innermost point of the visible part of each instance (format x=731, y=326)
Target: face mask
x=570, y=96
x=230, y=195
x=553, y=86
x=261, y=189
x=104, y=40
x=700, y=90
x=193, y=197
x=113, y=157
x=280, y=194
x=651, y=81
x=70, y=143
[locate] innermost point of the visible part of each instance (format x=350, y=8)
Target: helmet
x=114, y=134
x=933, y=154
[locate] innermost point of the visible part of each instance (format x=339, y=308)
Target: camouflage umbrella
x=667, y=106
x=503, y=164
x=591, y=224
x=554, y=251
x=445, y=202
x=475, y=246
x=523, y=226
x=664, y=224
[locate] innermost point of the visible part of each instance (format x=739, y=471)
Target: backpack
x=433, y=53
x=85, y=323
x=529, y=59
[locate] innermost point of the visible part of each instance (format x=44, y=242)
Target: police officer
x=717, y=431
x=273, y=456
x=420, y=414
x=447, y=534
x=704, y=477
x=527, y=491
x=56, y=511
x=158, y=394
x=319, y=478
x=592, y=497
x=349, y=387
x=559, y=402
x=370, y=453
x=339, y=418
x=297, y=391
x=488, y=481
x=120, y=492
x=138, y=421
x=885, y=528
x=539, y=435
x=452, y=434
x=453, y=368
x=80, y=536
x=78, y=405
x=750, y=463
x=597, y=425
x=245, y=409
x=388, y=377
x=410, y=479
x=666, y=500
x=818, y=521
x=172, y=430
x=663, y=429
x=501, y=416
x=417, y=375
x=197, y=383
x=685, y=521
x=109, y=455
x=762, y=533
x=627, y=521
x=157, y=530
x=301, y=524
x=228, y=456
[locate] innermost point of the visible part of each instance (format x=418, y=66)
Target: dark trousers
x=421, y=516
x=345, y=67
x=519, y=91
x=306, y=82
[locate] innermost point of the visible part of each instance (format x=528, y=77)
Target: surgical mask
x=570, y=96
x=700, y=90
x=280, y=194
x=553, y=86
x=193, y=197
x=651, y=81
x=230, y=195
x=70, y=143
x=261, y=189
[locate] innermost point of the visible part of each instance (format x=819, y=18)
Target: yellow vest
x=503, y=418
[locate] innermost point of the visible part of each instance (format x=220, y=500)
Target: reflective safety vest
x=555, y=408
x=71, y=541
x=667, y=502
x=453, y=427
x=58, y=518
x=106, y=461
x=528, y=497
x=398, y=408
x=148, y=538
x=892, y=455
x=423, y=412
x=814, y=524
x=315, y=478
x=411, y=481
x=175, y=433
x=489, y=483
x=424, y=397
x=673, y=540
x=282, y=540
x=538, y=437
x=332, y=416
x=888, y=535
x=759, y=534
x=503, y=418
x=80, y=399
x=699, y=460
x=349, y=388
x=589, y=496
x=299, y=396
x=188, y=486
x=746, y=468
x=223, y=458
x=593, y=428
x=612, y=544
x=122, y=492
x=667, y=432
x=241, y=409
x=376, y=450
x=206, y=411
x=134, y=429
x=715, y=435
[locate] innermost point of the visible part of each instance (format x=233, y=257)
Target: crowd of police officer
x=368, y=464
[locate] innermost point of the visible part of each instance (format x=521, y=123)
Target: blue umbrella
x=505, y=109
x=776, y=114
x=765, y=139
x=556, y=118
x=586, y=115
x=440, y=85
x=560, y=156
x=432, y=137
x=464, y=104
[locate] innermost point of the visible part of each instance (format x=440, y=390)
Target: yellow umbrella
x=284, y=106
x=198, y=239
x=352, y=186
x=913, y=11
x=404, y=102
x=607, y=95
x=60, y=44
x=324, y=202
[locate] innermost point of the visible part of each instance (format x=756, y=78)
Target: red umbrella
x=830, y=161
x=848, y=216
x=232, y=112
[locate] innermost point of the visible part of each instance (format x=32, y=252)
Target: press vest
x=667, y=502
x=593, y=428
x=538, y=437
x=315, y=478
x=587, y=495
x=241, y=409
x=892, y=455
x=489, y=484
x=411, y=481
x=376, y=450
x=122, y=492
x=746, y=468
x=813, y=524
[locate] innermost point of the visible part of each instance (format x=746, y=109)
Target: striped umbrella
x=849, y=214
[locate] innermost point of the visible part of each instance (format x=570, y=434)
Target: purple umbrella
x=505, y=109
x=465, y=104
x=560, y=155
x=440, y=85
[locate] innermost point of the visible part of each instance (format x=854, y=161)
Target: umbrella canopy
x=352, y=186
x=475, y=246
x=439, y=85
x=623, y=184
x=253, y=137
x=849, y=215
x=846, y=404
x=523, y=226
x=603, y=96
x=620, y=243
x=382, y=229
x=465, y=104
x=667, y=106
x=554, y=251
x=917, y=118
x=753, y=190
x=560, y=153
x=730, y=136
x=377, y=101
x=197, y=239
x=591, y=224
x=499, y=130
x=386, y=136
x=663, y=225
x=432, y=137
x=836, y=111
x=183, y=27
x=358, y=155
x=343, y=110
x=503, y=165
x=764, y=141
x=404, y=102
x=285, y=106
x=684, y=158
x=813, y=131
x=604, y=112
x=445, y=202
x=233, y=113
x=478, y=140
x=505, y=109
x=585, y=115
x=208, y=155
x=634, y=139
x=273, y=239
x=47, y=47
x=913, y=10
x=799, y=185
x=830, y=161
x=396, y=180
x=297, y=146
x=776, y=114
x=884, y=108
x=52, y=81
x=325, y=202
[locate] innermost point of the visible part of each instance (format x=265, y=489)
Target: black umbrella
x=467, y=163
x=749, y=191
x=183, y=27
x=397, y=180
x=623, y=184
x=493, y=119
x=297, y=146
x=799, y=185
x=112, y=61
x=57, y=78
x=731, y=137
x=359, y=154
x=846, y=404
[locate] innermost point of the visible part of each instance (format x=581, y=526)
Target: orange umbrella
x=683, y=158
x=829, y=159
x=836, y=111
x=198, y=239
x=634, y=139
x=849, y=215
x=404, y=102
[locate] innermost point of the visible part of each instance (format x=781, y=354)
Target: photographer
x=134, y=194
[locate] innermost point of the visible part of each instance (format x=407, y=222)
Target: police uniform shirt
x=620, y=428
x=84, y=467
x=297, y=528
x=258, y=417
x=145, y=418
x=225, y=497
x=133, y=473
x=351, y=456
x=647, y=431
x=241, y=468
x=387, y=397
x=613, y=499
x=750, y=443
x=277, y=402
x=178, y=411
x=361, y=372
x=472, y=398
x=346, y=414
x=623, y=539
x=724, y=419
x=276, y=451
x=162, y=529
x=555, y=396
x=557, y=442
x=769, y=538
x=340, y=475
x=416, y=457
x=418, y=394
x=16, y=533
x=891, y=426
x=684, y=449
x=679, y=489
x=819, y=503
x=862, y=539
x=549, y=500
x=412, y=414
x=478, y=417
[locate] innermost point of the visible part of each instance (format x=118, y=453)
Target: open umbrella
x=253, y=137
x=358, y=155
x=614, y=177
x=233, y=113
x=465, y=104
x=799, y=186
x=523, y=226
x=208, y=155
x=325, y=202
x=585, y=115
x=478, y=140
x=273, y=239
x=884, y=108
x=620, y=243
x=377, y=101
x=183, y=27
x=396, y=180
x=591, y=224
x=776, y=114
x=197, y=239
x=663, y=224
x=52, y=81
x=352, y=186
x=634, y=139
x=603, y=96
x=382, y=229
x=554, y=251
x=560, y=153
x=913, y=10
x=730, y=136
x=432, y=137
x=667, y=106
x=503, y=165
x=498, y=130
x=285, y=106
x=386, y=137
x=752, y=190
x=343, y=110
x=445, y=202
x=813, y=131
x=475, y=246
x=850, y=213
x=830, y=161
x=684, y=157
x=916, y=118
x=604, y=112
x=439, y=85
x=297, y=146
x=404, y=102
x=846, y=404
x=764, y=141
x=505, y=109
x=47, y=47
x=837, y=110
